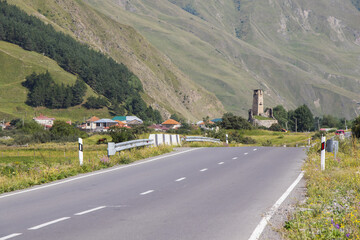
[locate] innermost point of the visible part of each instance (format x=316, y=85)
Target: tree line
x=302, y=119
x=107, y=77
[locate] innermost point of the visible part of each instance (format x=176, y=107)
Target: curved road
x=207, y=193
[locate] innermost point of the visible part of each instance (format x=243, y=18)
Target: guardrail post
x=323, y=140
x=81, y=149
x=111, y=149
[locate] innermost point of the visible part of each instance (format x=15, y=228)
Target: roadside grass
x=332, y=206
x=22, y=167
x=269, y=138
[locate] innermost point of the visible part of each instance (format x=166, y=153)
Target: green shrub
x=275, y=127
x=121, y=134
x=356, y=127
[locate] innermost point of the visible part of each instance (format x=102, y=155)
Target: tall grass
x=24, y=167
x=332, y=207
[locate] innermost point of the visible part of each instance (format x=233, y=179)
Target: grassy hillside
x=298, y=51
x=16, y=65
x=167, y=88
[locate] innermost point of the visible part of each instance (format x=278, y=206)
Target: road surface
x=207, y=193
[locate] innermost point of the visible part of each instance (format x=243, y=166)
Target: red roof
x=93, y=119
x=171, y=122
x=210, y=122
x=42, y=117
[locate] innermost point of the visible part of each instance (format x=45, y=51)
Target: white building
x=44, y=121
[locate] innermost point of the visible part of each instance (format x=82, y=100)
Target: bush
x=356, y=127
x=235, y=136
x=275, y=127
x=121, y=134
x=62, y=131
x=318, y=135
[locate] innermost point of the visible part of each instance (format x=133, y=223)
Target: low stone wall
x=264, y=123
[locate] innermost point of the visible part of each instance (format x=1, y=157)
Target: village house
x=90, y=124
x=201, y=124
x=103, y=125
x=44, y=121
x=130, y=120
x=159, y=127
x=171, y=124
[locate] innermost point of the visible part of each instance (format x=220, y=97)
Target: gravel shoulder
x=275, y=228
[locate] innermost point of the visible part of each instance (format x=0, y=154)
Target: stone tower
x=258, y=102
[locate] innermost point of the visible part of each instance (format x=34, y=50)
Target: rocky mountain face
x=166, y=88
x=298, y=51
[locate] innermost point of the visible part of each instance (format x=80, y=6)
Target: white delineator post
x=323, y=139
x=227, y=139
x=81, y=154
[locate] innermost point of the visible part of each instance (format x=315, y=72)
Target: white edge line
x=203, y=170
x=264, y=221
x=10, y=236
x=48, y=223
x=89, y=211
x=180, y=179
x=93, y=174
x=147, y=192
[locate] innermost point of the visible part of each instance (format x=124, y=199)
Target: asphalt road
x=208, y=193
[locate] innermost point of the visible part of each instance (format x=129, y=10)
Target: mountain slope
x=16, y=65
x=166, y=87
x=298, y=51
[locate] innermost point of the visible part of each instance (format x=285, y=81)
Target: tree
x=303, y=118
x=329, y=121
x=281, y=115
x=95, y=103
x=356, y=127
x=230, y=121
x=79, y=90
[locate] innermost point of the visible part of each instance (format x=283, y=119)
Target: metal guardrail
x=201, y=139
x=117, y=147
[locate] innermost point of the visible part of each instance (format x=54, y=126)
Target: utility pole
x=286, y=126
x=345, y=125
x=295, y=124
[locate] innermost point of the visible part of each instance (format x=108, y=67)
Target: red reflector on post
x=322, y=145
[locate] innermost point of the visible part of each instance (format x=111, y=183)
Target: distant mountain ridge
x=298, y=51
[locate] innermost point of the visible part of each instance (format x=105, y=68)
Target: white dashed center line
x=221, y=163
x=246, y=153
x=147, y=192
x=235, y=158
x=180, y=179
x=48, y=223
x=203, y=170
x=10, y=236
x=89, y=211
x=254, y=149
